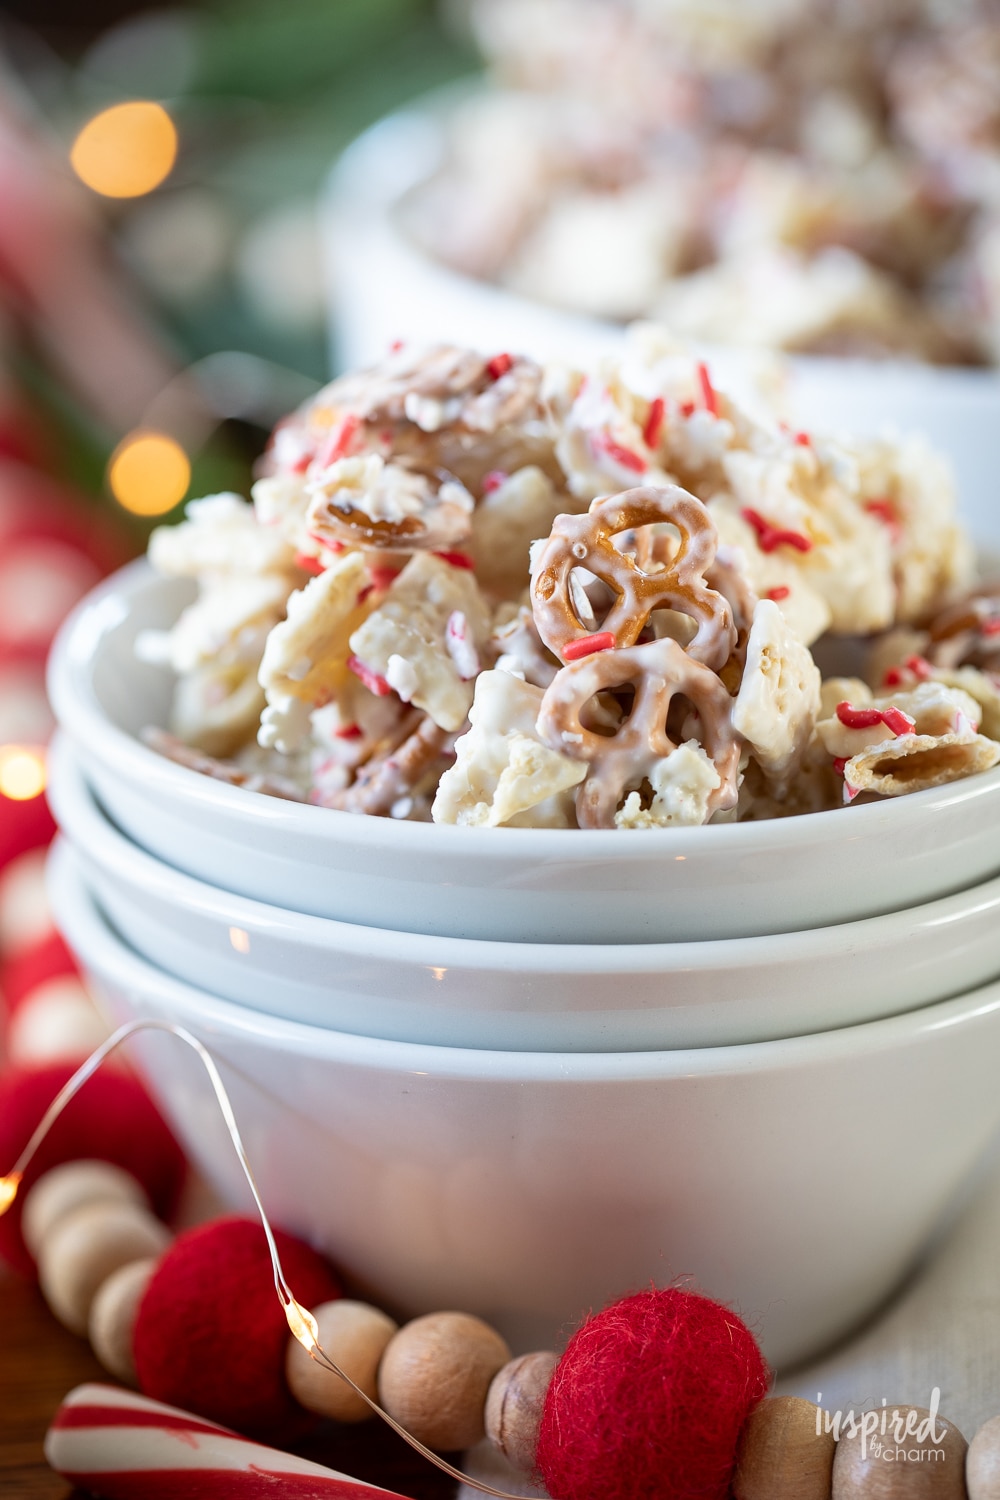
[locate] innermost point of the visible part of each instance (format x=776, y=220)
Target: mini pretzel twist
x=659, y=671
x=587, y=541
x=429, y=509
x=397, y=769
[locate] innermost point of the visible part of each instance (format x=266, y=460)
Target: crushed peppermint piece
x=339, y=441
x=802, y=440
x=899, y=722
x=779, y=592
x=373, y=681
x=348, y=732
x=588, y=645
x=840, y=763
x=990, y=627
x=619, y=454
x=308, y=563
x=769, y=536
x=461, y=646
x=493, y=480
x=499, y=365
x=457, y=560
x=687, y=408
x=654, y=422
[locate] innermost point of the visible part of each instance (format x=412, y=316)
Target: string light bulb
x=22, y=772
x=126, y=151
x=300, y=1320
x=149, y=473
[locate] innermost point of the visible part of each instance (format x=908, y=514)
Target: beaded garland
x=661, y=1394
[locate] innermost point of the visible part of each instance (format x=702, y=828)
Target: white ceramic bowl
x=384, y=288
x=524, y=996
x=521, y=884
x=795, y=1179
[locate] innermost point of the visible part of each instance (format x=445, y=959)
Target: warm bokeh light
x=149, y=473
x=22, y=772
x=126, y=150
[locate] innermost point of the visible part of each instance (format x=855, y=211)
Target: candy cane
x=115, y=1443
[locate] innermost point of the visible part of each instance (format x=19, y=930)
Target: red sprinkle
x=493, y=480
x=708, y=392
x=382, y=577
x=339, y=441
x=457, y=560
x=587, y=645
x=499, y=365
x=769, y=536
x=624, y=456
x=373, y=681
x=840, y=763
x=349, y=732
x=884, y=509
x=778, y=593
x=920, y=667
x=308, y=563
x=301, y=464
x=654, y=422
x=369, y=588
x=866, y=718
x=893, y=678
x=858, y=718
x=803, y=440
x=331, y=546
x=686, y=408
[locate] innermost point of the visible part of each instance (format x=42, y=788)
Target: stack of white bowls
x=521, y=1072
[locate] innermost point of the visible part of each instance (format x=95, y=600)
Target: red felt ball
x=112, y=1119
x=649, y=1399
x=26, y=970
x=23, y=826
x=211, y=1335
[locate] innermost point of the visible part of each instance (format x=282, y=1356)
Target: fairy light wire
x=300, y=1320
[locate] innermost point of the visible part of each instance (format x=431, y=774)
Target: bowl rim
x=88, y=828
x=105, y=954
x=74, y=701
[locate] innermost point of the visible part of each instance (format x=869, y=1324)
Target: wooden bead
x=57, y=1021
x=68, y=1187
x=514, y=1407
x=355, y=1336
x=435, y=1374
x=84, y=1247
x=982, y=1464
x=913, y=1466
x=781, y=1456
x=112, y=1317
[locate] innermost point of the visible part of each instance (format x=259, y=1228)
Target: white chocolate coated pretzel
x=587, y=541
x=658, y=671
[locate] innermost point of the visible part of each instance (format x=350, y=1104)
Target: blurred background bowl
x=385, y=287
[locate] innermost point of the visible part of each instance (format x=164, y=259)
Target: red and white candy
x=125, y=1447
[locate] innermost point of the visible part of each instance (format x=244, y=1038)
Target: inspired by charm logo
x=893, y=1434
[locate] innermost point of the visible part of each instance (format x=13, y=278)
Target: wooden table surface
x=40, y=1362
